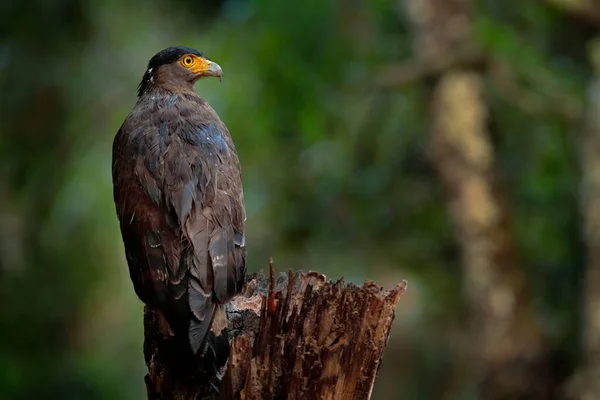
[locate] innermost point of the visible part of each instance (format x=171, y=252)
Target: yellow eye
x=187, y=61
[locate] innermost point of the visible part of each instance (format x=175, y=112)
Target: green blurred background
x=331, y=104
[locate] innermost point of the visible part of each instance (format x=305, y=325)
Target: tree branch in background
x=509, y=355
x=419, y=69
x=308, y=339
x=532, y=102
x=500, y=73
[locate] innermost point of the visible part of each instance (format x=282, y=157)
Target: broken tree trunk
x=308, y=339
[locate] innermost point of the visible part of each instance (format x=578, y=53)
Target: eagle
x=178, y=194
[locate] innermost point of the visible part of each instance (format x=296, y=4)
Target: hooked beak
x=214, y=69
x=206, y=67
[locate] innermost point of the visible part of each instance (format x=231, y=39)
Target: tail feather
x=203, y=312
x=208, y=326
x=217, y=339
x=199, y=329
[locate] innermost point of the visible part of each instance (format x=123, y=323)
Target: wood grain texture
x=324, y=340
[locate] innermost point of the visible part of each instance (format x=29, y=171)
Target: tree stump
x=301, y=337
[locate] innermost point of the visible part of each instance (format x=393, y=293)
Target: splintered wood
x=321, y=339
x=301, y=337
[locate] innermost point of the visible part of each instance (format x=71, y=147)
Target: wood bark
x=303, y=338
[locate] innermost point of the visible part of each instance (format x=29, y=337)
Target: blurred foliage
x=336, y=172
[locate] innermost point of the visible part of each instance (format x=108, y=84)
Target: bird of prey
x=178, y=195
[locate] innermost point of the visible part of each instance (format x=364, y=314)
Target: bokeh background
x=452, y=143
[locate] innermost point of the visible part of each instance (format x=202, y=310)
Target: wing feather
x=182, y=216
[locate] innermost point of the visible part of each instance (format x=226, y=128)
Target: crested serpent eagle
x=179, y=199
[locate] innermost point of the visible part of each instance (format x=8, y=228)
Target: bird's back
x=179, y=199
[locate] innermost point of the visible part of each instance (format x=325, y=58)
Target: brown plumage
x=179, y=200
